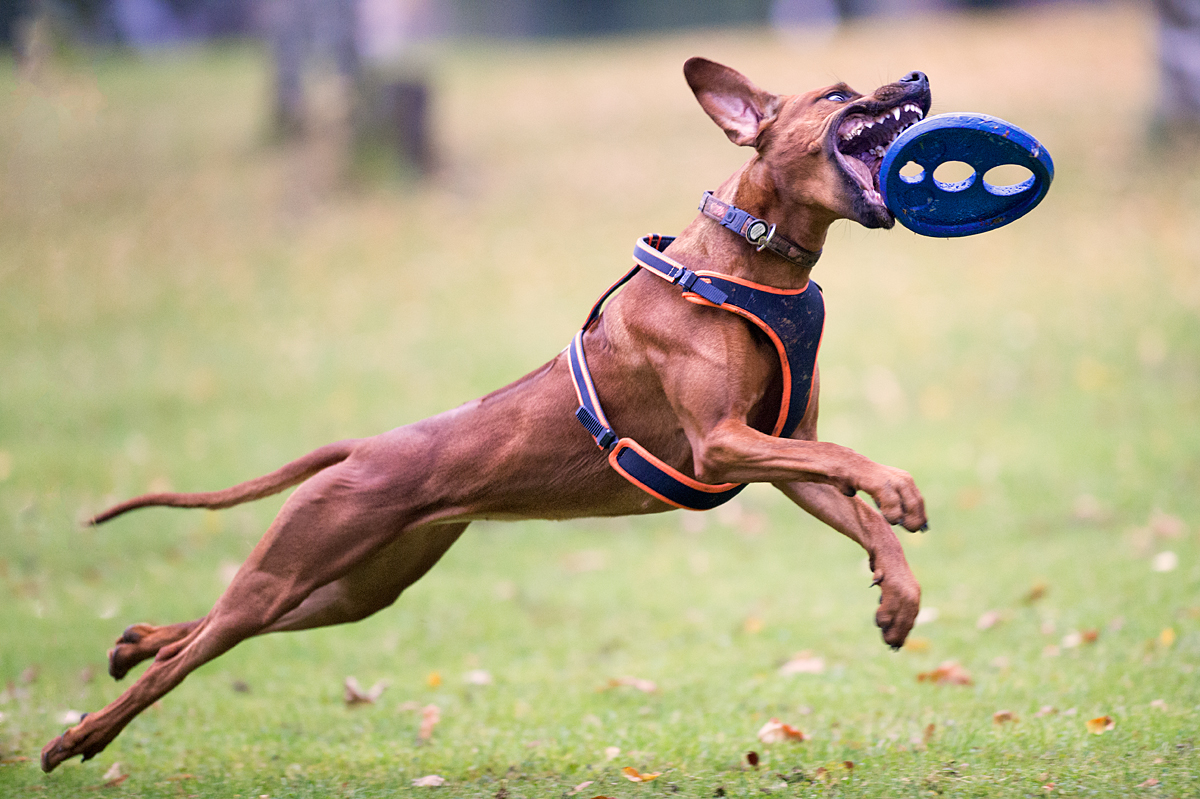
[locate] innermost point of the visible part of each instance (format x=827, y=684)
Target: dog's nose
x=915, y=76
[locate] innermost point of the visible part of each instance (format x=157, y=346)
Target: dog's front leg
x=732, y=452
x=901, y=594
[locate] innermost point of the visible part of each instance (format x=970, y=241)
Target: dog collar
x=759, y=232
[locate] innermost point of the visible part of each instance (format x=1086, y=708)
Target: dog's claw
x=924, y=528
x=877, y=581
x=896, y=647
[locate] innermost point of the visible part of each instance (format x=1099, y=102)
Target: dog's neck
x=705, y=244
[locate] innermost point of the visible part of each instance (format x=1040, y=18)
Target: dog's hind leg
x=370, y=587
x=341, y=527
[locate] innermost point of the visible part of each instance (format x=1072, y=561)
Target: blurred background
x=231, y=232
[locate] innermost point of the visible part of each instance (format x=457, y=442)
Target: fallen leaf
x=1100, y=725
x=949, y=672
x=579, y=787
x=775, y=731
x=113, y=777
x=611, y=751
x=478, y=677
x=988, y=620
x=430, y=715
x=429, y=781
x=1045, y=710
x=1037, y=592
x=28, y=675
x=433, y=680
x=1149, y=783
x=848, y=765
x=633, y=775
x=1166, y=525
x=646, y=686
x=930, y=729
x=915, y=643
x=1165, y=561
x=1048, y=787
x=803, y=663
x=1090, y=635
x=355, y=695
x=821, y=773
x=1167, y=637
x=1004, y=716
x=752, y=759
x=926, y=615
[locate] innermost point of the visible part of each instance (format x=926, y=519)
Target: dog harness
x=792, y=319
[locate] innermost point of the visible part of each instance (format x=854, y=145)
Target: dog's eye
x=837, y=97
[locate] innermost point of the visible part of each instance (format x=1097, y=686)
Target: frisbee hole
x=1008, y=179
x=912, y=172
x=954, y=175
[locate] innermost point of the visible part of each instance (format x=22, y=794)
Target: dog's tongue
x=861, y=171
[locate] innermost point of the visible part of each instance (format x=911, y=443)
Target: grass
x=182, y=303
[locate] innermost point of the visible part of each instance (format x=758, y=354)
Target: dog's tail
x=286, y=476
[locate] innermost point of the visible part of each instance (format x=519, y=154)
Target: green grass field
x=183, y=303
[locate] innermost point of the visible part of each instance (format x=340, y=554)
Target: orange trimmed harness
x=793, y=320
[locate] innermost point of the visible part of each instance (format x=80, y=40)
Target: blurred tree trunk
x=289, y=31
x=1179, y=65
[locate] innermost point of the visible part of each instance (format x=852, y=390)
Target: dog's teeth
x=896, y=113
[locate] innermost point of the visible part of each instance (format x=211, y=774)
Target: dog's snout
x=916, y=76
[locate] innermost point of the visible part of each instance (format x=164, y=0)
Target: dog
x=706, y=399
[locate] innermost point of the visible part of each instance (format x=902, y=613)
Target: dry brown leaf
x=803, y=663
x=1149, y=783
x=429, y=781
x=948, y=673
x=930, y=729
x=988, y=620
x=1004, y=716
x=430, y=716
x=579, y=787
x=355, y=695
x=1166, y=525
x=752, y=758
x=1100, y=725
x=1037, y=592
x=1090, y=635
x=775, y=731
x=646, y=686
x=633, y=775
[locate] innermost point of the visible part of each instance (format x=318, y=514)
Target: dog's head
x=821, y=150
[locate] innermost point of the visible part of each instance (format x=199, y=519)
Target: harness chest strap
x=755, y=303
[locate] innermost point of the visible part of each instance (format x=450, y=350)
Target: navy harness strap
x=793, y=320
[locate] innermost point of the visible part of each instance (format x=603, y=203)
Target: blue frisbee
x=933, y=207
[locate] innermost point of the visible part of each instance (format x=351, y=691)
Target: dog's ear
x=737, y=105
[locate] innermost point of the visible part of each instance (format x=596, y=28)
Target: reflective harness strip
x=756, y=303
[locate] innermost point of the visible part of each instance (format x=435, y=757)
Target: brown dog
x=692, y=383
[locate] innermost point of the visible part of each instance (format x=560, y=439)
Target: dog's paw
x=897, y=497
x=897, y=612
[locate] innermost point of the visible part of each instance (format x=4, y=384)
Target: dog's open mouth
x=862, y=140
